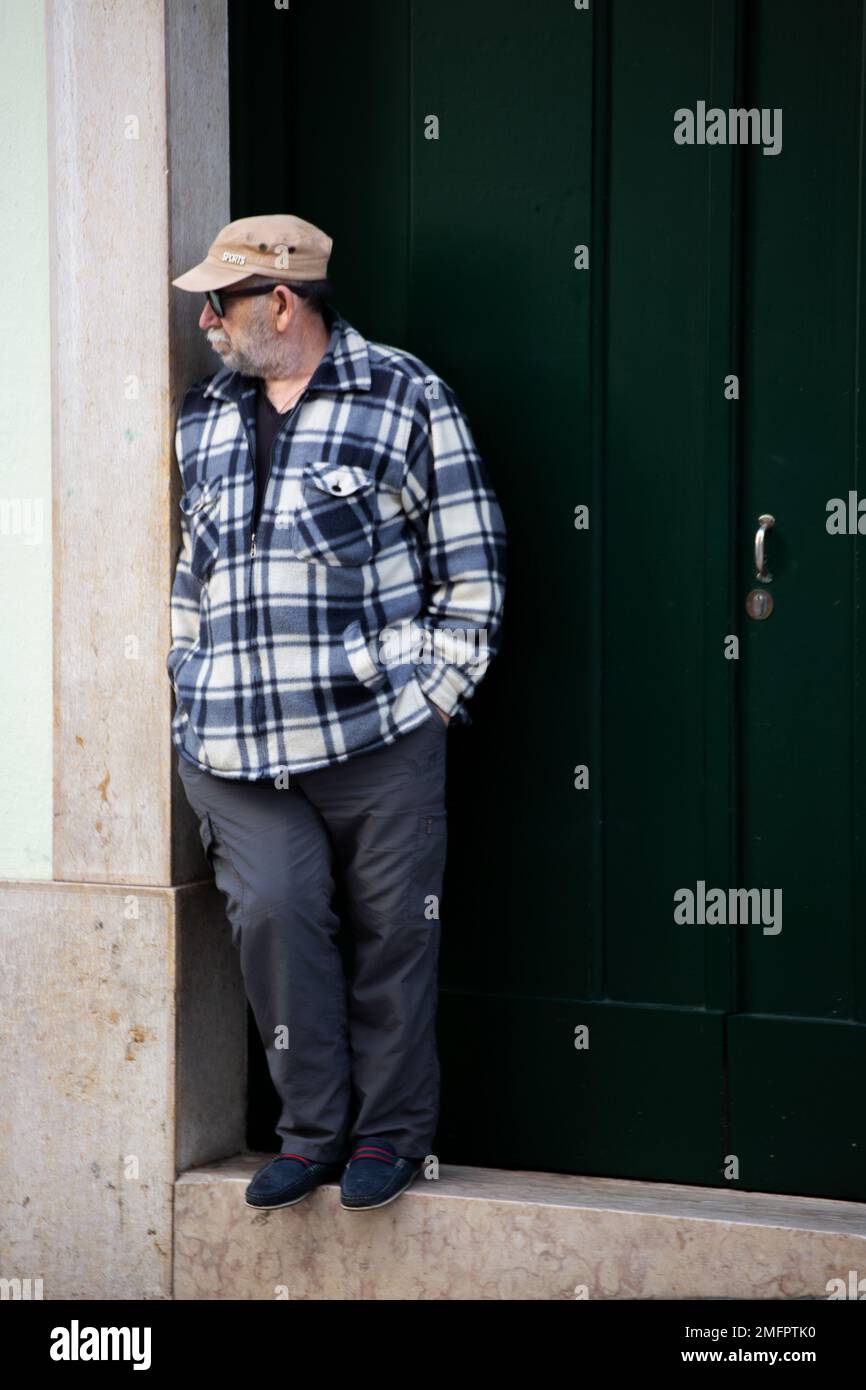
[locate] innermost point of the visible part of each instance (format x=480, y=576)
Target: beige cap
x=275, y=244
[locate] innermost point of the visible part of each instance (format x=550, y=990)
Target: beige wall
x=26, y=731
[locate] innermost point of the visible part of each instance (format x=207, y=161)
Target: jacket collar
x=344, y=367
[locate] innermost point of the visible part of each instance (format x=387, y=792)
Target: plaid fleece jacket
x=372, y=584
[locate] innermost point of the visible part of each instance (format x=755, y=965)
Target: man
x=337, y=598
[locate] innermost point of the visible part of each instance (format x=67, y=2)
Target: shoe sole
x=292, y=1202
x=259, y=1206
x=372, y=1206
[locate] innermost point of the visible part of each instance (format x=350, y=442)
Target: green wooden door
x=582, y=1028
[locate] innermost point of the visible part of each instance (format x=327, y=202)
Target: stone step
x=488, y=1233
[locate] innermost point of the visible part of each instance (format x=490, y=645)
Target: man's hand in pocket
x=441, y=713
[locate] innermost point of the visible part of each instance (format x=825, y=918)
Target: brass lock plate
x=759, y=604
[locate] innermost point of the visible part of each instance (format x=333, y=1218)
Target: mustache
x=217, y=335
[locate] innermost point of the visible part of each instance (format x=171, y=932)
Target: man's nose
x=208, y=317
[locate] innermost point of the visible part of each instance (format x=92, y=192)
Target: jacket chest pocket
x=201, y=506
x=335, y=520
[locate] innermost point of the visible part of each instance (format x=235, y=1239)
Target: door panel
x=800, y=414
x=666, y=689
x=643, y=1100
x=492, y=206
x=797, y=1110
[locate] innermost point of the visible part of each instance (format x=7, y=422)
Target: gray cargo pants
x=374, y=827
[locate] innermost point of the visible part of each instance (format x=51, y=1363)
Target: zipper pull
x=253, y=547
x=429, y=825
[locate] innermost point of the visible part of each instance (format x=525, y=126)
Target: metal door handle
x=765, y=524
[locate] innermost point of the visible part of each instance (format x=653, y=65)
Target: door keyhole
x=759, y=604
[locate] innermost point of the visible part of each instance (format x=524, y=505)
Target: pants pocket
x=228, y=881
x=205, y=829
x=431, y=837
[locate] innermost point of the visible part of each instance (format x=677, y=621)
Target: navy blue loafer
x=375, y=1175
x=287, y=1179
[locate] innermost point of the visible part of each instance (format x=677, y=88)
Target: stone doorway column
x=123, y=1050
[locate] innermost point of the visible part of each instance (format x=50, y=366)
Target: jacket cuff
x=444, y=686
x=359, y=651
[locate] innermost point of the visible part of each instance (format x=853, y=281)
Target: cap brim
x=211, y=275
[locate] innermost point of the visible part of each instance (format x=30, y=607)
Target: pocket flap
x=206, y=832
x=200, y=495
x=339, y=479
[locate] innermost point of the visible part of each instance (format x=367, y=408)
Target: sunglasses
x=216, y=298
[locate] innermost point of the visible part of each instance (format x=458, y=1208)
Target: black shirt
x=269, y=422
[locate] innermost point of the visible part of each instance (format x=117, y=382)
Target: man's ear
x=285, y=299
